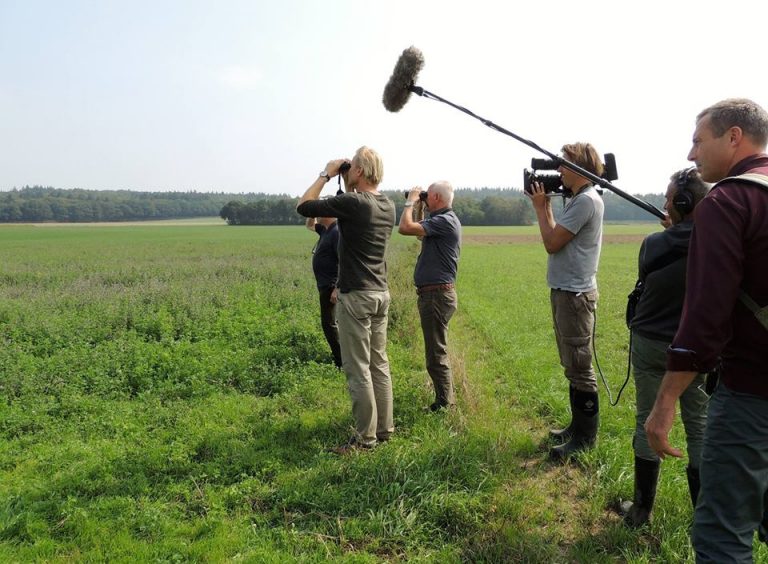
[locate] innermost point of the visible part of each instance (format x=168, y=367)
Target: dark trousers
x=435, y=310
x=734, y=477
x=328, y=321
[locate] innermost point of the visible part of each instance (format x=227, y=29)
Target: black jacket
x=661, y=268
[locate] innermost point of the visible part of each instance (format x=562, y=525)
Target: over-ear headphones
x=683, y=200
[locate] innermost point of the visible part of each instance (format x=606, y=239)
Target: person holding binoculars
x=435, y=278
x=365, y=219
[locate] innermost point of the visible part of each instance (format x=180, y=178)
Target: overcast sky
x=256, y=96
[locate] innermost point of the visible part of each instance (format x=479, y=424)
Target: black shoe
x=586, y=420
x=638, y=512
x=581, y=440
x=562, y=435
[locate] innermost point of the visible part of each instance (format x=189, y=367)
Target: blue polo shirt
x=438, y=262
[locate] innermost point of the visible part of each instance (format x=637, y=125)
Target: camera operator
x=435, y=277
x=727, y=284
x=365, y=218
x=325, y=265
x=661, y=272
x=573, y=245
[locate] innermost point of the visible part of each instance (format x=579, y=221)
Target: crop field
x=166, y=395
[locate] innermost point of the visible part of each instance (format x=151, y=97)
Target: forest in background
x=474, y=206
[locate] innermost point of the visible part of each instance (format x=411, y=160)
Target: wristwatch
x=408, y=205
x=324, y=174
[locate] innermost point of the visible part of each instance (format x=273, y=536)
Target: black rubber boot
x=564, y=435
x=694, y=483
x=638, y=512
x=586, y=420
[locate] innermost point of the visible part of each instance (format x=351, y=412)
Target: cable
x=600, y=371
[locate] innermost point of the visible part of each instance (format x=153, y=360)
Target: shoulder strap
x=761, y=181
x=749, y=302
x=760, y=313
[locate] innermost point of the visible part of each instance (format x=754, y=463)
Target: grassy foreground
x=166, y=396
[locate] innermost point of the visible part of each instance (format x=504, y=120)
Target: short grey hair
x=445, y=189
x=738, y=112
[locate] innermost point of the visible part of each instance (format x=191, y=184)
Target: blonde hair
x=371, y=163
x=584, y=155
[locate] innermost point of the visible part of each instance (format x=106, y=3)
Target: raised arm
x=408, y=225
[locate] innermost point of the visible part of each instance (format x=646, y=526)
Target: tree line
x=474, y=206
x=39, y=204
x=503, y=207
x=485, y=206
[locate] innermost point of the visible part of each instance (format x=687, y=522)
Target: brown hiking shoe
x=352, y=445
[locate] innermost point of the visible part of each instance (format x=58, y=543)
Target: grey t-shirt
x=438, y=261
x=365, y=226
x=574, y=267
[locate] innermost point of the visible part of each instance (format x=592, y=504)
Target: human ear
x=735, y=135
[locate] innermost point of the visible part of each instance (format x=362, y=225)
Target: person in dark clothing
x=435, y=278
x=325, y=264
x=727, y=278
x=661, y=279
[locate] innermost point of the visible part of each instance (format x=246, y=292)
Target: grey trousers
x=649, y=358
x=734, y=477
x=362, y=319
x=573, y=315
x=435, y=310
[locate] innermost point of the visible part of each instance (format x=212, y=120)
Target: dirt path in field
x=559, y=507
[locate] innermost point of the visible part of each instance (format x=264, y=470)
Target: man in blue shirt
x=435, y=278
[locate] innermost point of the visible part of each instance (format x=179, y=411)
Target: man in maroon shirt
x=728, y=254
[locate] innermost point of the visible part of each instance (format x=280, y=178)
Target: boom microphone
x=400, y=85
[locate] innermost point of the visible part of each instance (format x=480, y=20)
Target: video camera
x=553, y=183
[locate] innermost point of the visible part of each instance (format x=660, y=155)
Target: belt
x=434, y=288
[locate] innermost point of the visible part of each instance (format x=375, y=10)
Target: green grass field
x=166, y=396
